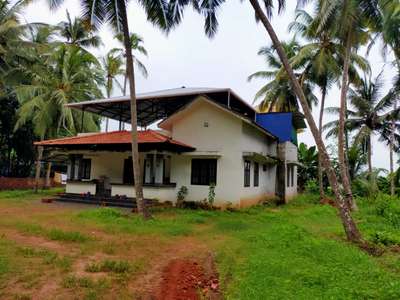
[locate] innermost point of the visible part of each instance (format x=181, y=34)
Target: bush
x=67, y=236
x=180, y=197
x=311, y=187
x=110, y=266
x=385, y=238
x=389, y=208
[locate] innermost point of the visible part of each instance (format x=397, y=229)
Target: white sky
x=188, y=58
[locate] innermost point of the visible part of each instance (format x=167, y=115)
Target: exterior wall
x=159, y=193
x=80, y=187
x=291, y=155
x=209, y=129
x=108, y=164
x=252, y=140
x=214, y=133
x=288, y=153
x=220, y=132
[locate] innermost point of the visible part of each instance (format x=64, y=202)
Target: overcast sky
x=186, y=57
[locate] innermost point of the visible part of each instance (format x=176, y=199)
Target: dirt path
x=185, y=279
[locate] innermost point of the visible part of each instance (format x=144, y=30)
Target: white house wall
x=161, y=194
x=291, y=155
x=209, y=129
x=253, y=140
x=215, y=133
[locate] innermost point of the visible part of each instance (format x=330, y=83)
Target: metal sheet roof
x=153, y=106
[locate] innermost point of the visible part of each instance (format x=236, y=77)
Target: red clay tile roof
x=114, y=137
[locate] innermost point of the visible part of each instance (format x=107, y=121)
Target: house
x=190, y=137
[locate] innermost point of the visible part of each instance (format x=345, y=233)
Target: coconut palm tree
x=349, y=20
x=136, y=42
x=277, y=94
x=371, y=114
x=113, y=66
x=10, y=33
x=388, y=30
x=322, y=61
x=79, y=33
x=164, y=14
x=349, y=225
x=67, y=75
x=263, y=15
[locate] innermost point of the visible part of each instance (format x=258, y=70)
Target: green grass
x=113, y=220
x=26, y=195
x=296, y=251
x=115, y=266
x=54, y=234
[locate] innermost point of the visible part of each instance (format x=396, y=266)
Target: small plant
x=211, y=194
x=67, y=236
x=110, y=266
x=311, y=187
x=72, y=281
x=180, y=197
x=385, y=238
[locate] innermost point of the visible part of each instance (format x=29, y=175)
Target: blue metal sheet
x=279, y=124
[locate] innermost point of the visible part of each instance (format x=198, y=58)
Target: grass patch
x=113, y=220
x=66, y=236
x=52, y=234
x=295, y=251
x=27, y=194
x=49, y=257
x=120, y=266
x=86, y=287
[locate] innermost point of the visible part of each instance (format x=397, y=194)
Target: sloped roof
x=116, y=138
x=153, y=106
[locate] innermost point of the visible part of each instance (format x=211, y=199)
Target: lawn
x=297, y=251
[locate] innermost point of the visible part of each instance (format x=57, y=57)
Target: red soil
x=184, y=279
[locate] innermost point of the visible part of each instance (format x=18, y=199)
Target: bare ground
x=165, y=263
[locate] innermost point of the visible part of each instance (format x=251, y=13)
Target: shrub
x=311, y=187
x=385, y=238
x=110, y=266
x=180, y=197
x=67, y=236
x=211, y=194
x=389, y=208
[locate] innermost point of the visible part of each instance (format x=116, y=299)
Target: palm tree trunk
x=108, y=96
x=48, y=171
x=125, y=83
x=342, y=120
x=38, y=165
x=320, y=171
x=349, y=225
x=346, y=155
x=142, y=208
x=369, y=156
x=391, y=146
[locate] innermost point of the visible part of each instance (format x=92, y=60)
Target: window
x=247, y=165
x=204, y=171
x=292, y=176
x=256, y=174
x=84, y=168
x=71, y=168
x=128, y=172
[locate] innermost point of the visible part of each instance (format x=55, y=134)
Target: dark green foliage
x=16, y=147
x=308, y=157
x=114, y=266
x=66, y=236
